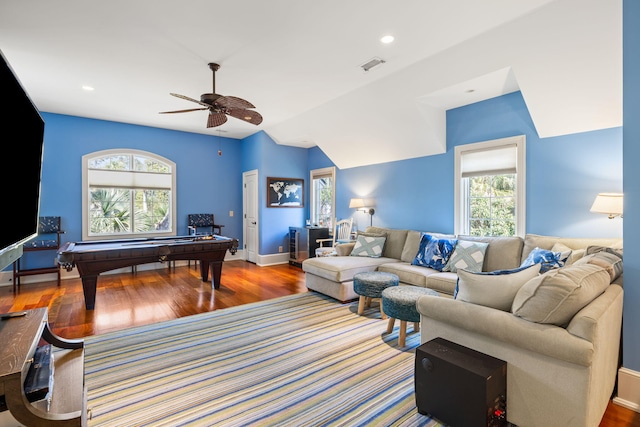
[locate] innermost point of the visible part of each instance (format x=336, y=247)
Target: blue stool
x=400, y=303
x=370, y=285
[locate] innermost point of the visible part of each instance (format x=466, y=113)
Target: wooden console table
x=20, y=336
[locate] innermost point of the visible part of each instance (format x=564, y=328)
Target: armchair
x=341, y=234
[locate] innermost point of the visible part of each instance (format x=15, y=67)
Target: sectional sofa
x=333, y=276
x=559, y=332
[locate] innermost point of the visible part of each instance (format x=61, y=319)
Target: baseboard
x=273, y=259
x=628, y=389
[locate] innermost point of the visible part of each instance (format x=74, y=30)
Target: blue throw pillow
x=434, y=252
x=548, y=259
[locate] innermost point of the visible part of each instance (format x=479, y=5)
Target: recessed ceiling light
x=387, y=39
x=87, y=88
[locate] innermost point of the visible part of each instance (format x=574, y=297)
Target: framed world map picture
x=285, y=192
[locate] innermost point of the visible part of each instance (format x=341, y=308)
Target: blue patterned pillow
x=434, y=252
x=368, y=246
x=548, y=259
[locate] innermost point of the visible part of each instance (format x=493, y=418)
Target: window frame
x=461, y=190
x=317, y=174
x=86, y=197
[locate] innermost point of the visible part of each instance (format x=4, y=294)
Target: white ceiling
x=299, y=62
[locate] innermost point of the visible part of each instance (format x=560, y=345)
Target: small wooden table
x=20, y=333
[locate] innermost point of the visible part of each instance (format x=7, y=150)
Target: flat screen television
x=23, y=130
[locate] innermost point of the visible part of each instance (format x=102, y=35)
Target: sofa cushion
x=444, y=283
x=495, y=289
x=467, y=255
x=610, y=261
x=556, y=296
x=368, y=246
x=394, y=243
x=410, y=274
x=503, y=253
x=546, y=258
x=576, y=254
x=342, y=268
x=434, y=252
x=532, y=241
x=344, y=249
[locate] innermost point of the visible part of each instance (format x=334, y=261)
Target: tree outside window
x=130, y=195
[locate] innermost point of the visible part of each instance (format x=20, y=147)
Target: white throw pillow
x=368, y=246
x=556, y=296
x=495, y=289
x=467, y=255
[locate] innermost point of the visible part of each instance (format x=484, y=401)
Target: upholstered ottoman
x=400, y=303
x=369, y=285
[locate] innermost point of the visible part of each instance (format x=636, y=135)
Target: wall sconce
x=360, y=205
x=608, y=203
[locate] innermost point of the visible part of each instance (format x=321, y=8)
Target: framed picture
x=285, y=192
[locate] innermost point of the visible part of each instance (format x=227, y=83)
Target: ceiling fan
x=220, y=106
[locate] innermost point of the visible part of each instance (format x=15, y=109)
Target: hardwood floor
x=126, y=300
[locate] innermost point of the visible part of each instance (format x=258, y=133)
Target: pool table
x=95, y=257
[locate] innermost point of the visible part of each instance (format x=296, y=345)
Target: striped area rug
x=300, y=360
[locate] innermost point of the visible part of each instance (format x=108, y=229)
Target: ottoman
x=369, y=285
x=400, y=303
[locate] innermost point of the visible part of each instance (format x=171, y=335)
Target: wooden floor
x=126, y=300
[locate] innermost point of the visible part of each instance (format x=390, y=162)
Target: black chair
x=202, y=224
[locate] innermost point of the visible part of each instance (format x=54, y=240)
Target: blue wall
x=564, y=175
x=631, y=136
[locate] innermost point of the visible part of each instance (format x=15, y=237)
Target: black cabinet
x=302, y=242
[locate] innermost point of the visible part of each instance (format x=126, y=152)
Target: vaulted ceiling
x=299, y=62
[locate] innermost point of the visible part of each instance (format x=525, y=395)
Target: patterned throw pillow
x=467, y=255
x=368, y=246
x=546, y=258
x=433, y=252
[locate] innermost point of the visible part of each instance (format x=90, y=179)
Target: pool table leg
x=89, y=285
x=216, y=272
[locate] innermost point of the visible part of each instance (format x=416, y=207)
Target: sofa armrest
x=503, y=326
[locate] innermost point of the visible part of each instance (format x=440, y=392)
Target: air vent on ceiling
x=372, y=63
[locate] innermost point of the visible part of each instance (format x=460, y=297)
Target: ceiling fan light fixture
x=220, y=106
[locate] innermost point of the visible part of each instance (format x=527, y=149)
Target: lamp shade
x=608, y=203
x=356, y=203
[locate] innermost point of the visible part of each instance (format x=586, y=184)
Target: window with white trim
x=323, y=199
x=127, y=193
x=490, y=188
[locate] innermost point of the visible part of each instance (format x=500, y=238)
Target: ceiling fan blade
x=216, y=119
x=233, y=102
x=250, y=116
x=184, y=111
x=177, y=95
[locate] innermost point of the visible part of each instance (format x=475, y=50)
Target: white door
x=250, y=214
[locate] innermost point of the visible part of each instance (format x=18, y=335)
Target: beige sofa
x=333, y=276
x=556, y=375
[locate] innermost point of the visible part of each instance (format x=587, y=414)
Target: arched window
x=127, y=193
